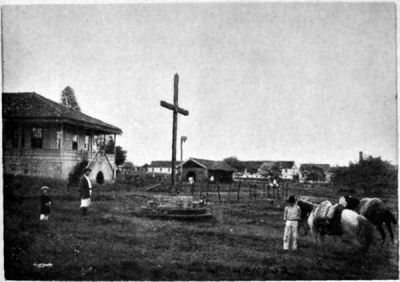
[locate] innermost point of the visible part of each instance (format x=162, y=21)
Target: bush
x=75, y=174
x=371, y=175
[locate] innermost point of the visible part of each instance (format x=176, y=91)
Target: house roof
x=251, y=165
x=162, y=163
x=257, y=164
x=30, y=105
x=309, y=166
x=282, y=164
x=212, y=165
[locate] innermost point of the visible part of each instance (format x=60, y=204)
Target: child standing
x=45, y=203
x=291, y=216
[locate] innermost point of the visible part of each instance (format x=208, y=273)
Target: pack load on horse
x=374, y=210
x=327, y=219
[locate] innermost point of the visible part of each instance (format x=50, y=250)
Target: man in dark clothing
x=85, y=190
x=45, y=203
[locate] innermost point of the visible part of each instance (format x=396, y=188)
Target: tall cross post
x=176, y=110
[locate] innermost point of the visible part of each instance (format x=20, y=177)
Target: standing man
x=291, y=216
x=85, y=190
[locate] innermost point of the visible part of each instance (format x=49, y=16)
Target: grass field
x=115, y=242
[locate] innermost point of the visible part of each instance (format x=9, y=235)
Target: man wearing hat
x=291, y=216
x=45, y=203
x=85, y=190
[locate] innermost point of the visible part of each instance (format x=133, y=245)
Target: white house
x=288, y=168
x=161, y=167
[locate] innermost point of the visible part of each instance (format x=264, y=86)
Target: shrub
x=371, y=175
x=75, y=174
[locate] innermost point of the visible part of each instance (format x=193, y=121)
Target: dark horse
x=374, y=210
x=306, y=209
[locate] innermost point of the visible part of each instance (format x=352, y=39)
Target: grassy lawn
x=115, y=242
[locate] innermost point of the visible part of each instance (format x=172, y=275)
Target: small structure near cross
x=175, y=109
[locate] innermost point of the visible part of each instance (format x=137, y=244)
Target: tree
x=68, y=99
x=120, y=155
x=369, y=175
x=128, y=165
x=313, y=173
x=270, y=170
x=234, y=162
x=76, y=173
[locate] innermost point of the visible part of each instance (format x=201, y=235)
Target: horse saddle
x=328, y=218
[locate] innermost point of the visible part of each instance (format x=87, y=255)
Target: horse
x=327, y=219
x=374, y=210
x=306, y=208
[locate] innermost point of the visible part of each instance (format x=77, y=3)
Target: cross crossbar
x=174, y=108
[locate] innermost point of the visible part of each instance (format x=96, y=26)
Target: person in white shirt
x=291, y=216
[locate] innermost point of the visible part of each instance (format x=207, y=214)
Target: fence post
x=250, y=189
x=263, y=189
x=287, y=190
x=192, y=187
x=238, y=190
x=219, y=195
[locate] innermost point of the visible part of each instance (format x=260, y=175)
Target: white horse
x=349, y=224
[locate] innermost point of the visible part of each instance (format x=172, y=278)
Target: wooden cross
x=175, y=108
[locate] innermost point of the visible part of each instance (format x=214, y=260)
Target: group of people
x=85, y=192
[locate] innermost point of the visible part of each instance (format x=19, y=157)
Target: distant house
x=202, y=170
x=251, y=168
x=288, y=169
x=161, y=167
x=44, y=138
x=247, y=169
x=315, y=172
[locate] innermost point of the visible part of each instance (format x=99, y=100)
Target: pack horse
x=333, y=220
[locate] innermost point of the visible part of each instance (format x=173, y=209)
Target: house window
x=75, y=142
x=58, y=141
x=37, y=137
x=11, y=140
x=152, y=169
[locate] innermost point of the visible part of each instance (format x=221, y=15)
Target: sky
x=262, y=81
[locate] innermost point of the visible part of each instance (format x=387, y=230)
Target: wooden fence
x=236, y=190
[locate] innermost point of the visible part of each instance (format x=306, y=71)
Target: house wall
x=221, y=176
x=48, y=161
x=163, y=170
x=289, y=173
x=201, y=173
